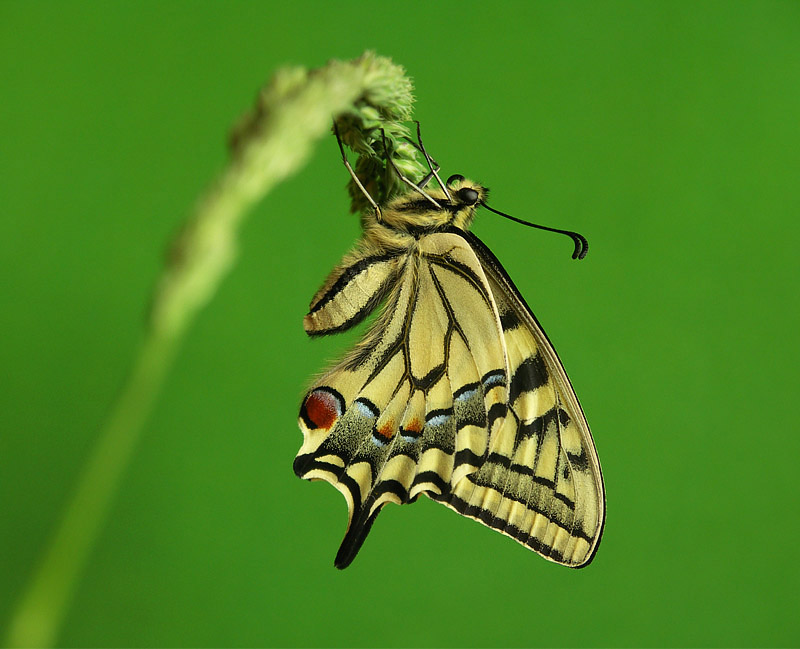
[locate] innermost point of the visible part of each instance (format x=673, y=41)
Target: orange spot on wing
x=386, y=431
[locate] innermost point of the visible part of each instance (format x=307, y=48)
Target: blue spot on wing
x=493, y=378
x=438, y=417
x=465, y=395
x=366, y=408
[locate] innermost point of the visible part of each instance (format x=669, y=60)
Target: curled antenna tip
x=581, y=244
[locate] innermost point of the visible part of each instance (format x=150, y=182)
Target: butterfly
x=454, y=391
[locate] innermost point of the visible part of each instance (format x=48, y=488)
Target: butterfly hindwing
x=413, y=407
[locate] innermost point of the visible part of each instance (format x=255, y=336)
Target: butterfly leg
x=431, y=164
x=434, y=166
x=353, y=173
x=400, y=175
x=427, y=177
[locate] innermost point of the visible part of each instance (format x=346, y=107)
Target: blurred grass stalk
x=269, y=143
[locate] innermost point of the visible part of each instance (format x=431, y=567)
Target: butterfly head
x=414, y=212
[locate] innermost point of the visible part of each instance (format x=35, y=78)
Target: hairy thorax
x=410, y=216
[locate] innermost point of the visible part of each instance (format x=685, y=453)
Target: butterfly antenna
x=400, y=175
x=353, y=174
x=431, y=163
x=581, y=244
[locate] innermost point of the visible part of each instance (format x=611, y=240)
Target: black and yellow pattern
x=454, y=391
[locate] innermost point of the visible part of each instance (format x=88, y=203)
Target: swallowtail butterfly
x=454, y=391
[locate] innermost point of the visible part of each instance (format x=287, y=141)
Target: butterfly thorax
x=413, y=215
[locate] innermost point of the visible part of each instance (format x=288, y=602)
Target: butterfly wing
x=413, y=407
x=541, y=482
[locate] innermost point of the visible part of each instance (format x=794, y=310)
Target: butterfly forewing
x=541, y=482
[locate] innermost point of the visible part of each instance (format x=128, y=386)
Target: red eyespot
x=321, y=408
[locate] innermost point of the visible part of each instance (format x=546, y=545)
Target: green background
x=666, y=132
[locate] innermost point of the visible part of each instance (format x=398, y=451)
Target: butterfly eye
x=454, y=179
x=467, y=195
